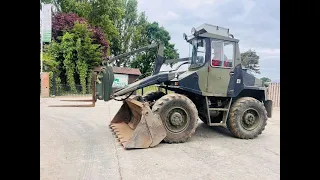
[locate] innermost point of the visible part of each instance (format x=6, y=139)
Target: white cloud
x=248, y=6
x=169, y=16
x=196, y=4
x=269, y=52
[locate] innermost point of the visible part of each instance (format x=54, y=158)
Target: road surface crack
x=272, y=151
x=117, y=156
x=116, y=150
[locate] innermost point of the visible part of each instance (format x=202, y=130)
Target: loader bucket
x=135, y=126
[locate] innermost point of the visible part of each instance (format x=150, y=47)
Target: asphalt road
x=76, y=143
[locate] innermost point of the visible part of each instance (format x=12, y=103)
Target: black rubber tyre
x=203, y=118
x=247, y=118
x=139, y=98
x=179, y=116
x=153, y=96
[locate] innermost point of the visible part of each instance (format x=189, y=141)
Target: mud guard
x=269, y=107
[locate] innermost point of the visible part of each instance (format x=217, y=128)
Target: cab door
x=221, y=67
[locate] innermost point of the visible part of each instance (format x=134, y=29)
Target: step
x=218, y=109
x=218, y=124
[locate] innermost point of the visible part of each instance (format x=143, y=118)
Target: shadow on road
x=206, y=131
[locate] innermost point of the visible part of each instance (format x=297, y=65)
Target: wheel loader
x=215, y=89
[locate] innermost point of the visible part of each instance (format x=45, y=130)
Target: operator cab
x=211, y=44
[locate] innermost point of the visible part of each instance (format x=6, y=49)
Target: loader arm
x=157, y=77
x=106, y=91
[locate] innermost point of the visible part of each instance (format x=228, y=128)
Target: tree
x=99, y=13
x=77, y=53
x=52, y=66
x=88, y=55
x=145, y=60
x=250, y=60
x=105, y=14
x=62, y=22
x=120, y=23
x=139, y=37
x=126, y=26
x=265, y=79
x=82, y=8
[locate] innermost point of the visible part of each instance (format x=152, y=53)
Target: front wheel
x=247, y=118
x=153, y=96
x=179, y=116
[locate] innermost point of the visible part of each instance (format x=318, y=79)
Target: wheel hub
x=250, y=119
x=176, y=119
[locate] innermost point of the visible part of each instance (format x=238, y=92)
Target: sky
x=256, y=23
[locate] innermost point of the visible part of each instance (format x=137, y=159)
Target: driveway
x=76, y=143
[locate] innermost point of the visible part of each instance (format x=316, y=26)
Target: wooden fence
x=274, y=94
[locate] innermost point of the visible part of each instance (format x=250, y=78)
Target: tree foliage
x=85, y=32
x=123, y=26
x=265, y=79
x=250, y=60
x=126, y=26
x=78, y=53
x=63, y=22
x=99, y=13
x=154, y=34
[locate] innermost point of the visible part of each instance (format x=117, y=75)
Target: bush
x=77, y=55
x=64, y=22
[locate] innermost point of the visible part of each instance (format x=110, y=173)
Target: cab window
x=216, y=52
x=222, y=54
x=228, y=50
x=197, y=53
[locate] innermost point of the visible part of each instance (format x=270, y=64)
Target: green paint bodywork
x=104, y=81
x=221, y=78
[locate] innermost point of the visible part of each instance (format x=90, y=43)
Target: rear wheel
x=179, y=116
x=247, y=118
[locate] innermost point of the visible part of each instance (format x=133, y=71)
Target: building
x=124, y=76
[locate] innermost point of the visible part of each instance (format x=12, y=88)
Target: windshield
x=197, y=53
